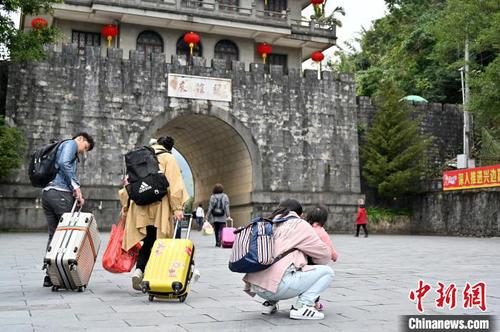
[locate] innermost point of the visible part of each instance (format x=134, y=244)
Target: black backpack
x=218, y=210
x=42, y=168
x=146, y=183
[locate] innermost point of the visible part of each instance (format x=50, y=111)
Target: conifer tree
x=393, y=154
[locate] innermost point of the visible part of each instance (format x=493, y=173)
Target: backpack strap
x=289, y=251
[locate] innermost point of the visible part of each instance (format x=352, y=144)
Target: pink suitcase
x=227, y=236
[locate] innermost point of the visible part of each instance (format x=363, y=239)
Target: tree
x=476, y=23
x=12, y=148
x=21, y=45
x=393, y=155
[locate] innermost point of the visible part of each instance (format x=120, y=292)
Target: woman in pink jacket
x=291, y=276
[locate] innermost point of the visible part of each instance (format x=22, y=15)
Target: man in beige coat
x=148, y=222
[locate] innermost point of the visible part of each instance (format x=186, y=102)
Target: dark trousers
x=218, y=226
x=364, y=229
x=199, y=221
x=147, y=245
x=55, y=203
x=145, y=251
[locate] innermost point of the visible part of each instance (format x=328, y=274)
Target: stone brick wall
x=466, y=213
x=444, y=122
x=302, y=131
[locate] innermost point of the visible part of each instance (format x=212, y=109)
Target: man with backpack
x=60, y=193
x=155, y=193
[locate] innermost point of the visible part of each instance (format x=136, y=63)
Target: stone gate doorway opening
x=216, y=153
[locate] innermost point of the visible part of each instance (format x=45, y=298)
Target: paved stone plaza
x=373, y=279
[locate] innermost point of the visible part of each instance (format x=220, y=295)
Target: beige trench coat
x=158, y=214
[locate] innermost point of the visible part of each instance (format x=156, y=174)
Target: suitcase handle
x=177, y=225
x=74, y=207
x=231, y=220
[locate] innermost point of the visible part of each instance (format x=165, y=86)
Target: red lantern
x=38, y=23
x=264, y=49
x=317, y=2
x=109, y=31
x=317, y=56
x=191, y=39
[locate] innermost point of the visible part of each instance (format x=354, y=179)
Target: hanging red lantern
x=317, y=9
x=191, y=39
x=317, y=2
x=109, y=31
x=264, y=49
x=38, y=23
x=317, y=56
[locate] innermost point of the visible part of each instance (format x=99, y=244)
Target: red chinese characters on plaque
x=470, y=178
x=199, y=87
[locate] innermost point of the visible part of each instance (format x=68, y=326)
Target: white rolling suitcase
x=73, y=251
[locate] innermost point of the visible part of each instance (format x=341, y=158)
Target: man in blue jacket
x=60, y=194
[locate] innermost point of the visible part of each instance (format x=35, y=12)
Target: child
x=317, y=217
x=361, y=218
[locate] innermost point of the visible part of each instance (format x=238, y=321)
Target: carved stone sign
x=199, y=87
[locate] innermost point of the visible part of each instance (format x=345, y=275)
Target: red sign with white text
x=470, y=178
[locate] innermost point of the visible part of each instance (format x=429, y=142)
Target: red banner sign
x=470, y=178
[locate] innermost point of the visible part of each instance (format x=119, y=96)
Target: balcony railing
x=221, y=10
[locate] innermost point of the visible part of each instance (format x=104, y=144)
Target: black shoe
x=47, y=282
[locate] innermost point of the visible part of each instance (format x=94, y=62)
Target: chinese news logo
x=472, y=295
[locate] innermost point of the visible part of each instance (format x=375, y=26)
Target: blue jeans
x=307, y=285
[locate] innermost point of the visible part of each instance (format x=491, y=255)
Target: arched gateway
x=219, y=149
x=264, y=135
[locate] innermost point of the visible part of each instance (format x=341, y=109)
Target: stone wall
x=462, y=212
x=444, y=122
x=300, y=132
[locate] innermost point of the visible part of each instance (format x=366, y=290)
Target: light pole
x=466, y=117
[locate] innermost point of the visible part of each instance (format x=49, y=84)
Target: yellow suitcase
x=170, y=268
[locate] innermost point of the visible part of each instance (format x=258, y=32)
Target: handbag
x=115, y=259
x=207, y=228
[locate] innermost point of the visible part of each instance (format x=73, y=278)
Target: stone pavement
x=373, y=279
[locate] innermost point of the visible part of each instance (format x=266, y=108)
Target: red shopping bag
x=115, y=259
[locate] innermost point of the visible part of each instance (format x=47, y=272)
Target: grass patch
x=376, y=214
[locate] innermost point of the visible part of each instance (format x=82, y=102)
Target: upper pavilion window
x=226, y=49
x=149, y=42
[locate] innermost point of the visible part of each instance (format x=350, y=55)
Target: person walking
x=59, y=195
x=218, y=211
x=200, y=215
x=361, y=218
x=291, y=276
x=148, y=222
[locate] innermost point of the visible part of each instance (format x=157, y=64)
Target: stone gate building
x=278, y=135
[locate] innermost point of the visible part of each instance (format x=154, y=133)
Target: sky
x=359, y=14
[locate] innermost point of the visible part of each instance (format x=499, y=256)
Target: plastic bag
x=207, y=228
x=115, y=259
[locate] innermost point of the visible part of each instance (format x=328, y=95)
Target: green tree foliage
x=12, y=148
x=21, y=45
x=420, y=46
x=393, y=156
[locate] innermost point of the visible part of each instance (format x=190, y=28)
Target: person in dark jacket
x=218, y=211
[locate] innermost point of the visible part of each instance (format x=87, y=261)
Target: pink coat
x=293, y=233
x=361, y=219
x=323, y=235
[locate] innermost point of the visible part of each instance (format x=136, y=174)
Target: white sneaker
x=306, y=312
x=137, y=279
x=269, y=307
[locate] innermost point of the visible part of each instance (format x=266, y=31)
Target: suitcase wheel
x=81, y=288
x=151, y=297
x=55, y=288
x=182, y=298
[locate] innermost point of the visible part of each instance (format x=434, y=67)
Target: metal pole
x=465, y=96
